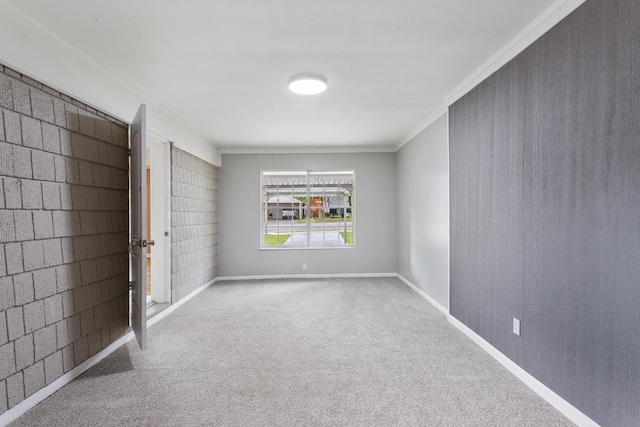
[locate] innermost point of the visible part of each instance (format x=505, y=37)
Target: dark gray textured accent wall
x=545, y=210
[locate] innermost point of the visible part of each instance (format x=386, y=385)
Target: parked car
x=289, y=214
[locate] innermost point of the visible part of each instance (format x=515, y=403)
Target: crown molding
x=532, y=32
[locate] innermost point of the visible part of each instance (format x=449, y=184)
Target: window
x=307, y=208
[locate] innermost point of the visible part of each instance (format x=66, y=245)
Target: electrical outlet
x=516, y=326
x=304, y=267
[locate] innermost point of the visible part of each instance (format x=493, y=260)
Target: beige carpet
x=341, y=352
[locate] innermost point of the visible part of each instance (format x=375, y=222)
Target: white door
x=139, y=227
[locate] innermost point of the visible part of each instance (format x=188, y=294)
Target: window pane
x=307, y=208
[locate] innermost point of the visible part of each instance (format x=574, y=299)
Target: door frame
x=160, y=208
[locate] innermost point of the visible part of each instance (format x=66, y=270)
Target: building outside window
x=307, y=209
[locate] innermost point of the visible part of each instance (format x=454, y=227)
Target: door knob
x=148, y=243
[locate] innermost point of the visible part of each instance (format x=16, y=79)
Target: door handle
x=142, y=243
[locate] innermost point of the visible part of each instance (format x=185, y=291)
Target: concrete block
x=23, y=288
x=43, y=165
x=33, y=378
x=66, y=197
x=6, y=159
x=93, y=244
x=13, y=254
x=73, y=327
x=95, y=342
x=43, y=224
x=53, y=368
x=72, y=115
x=61, y=224
x=66, y=144
x=60, y=165
x=59, y=113
x=68, y=362
x=42, y=106
x=3, y=264
x=103, y=129
x=3, y=396
x=87, y=123
x=44, y=282
x=81, y=299
x=68, y=307
x=15, y=389
x=15, y=323
x=23, y=221
x=4, y=332
x=93, y=150
x=51, y=138
x=79, y=146
x=12, y=192
x=24, y=352
x=1, y=126
x=12, y=127
x=7, y=228
x=86, y=173
x=62, y=334
x=87, y=322
x=67, y=250
x=52, y=252
x=22, y=167
x=31, y=194
x=89, y=271
x=33, y=253
x=98, y=175
x=7, y=360
x=81, y=349
x=6, y=92
x=33, y=316
x=80, y=248
x=73, y=171
x=45, y=342
x=51, y=195
x=53, y=311
x=88, y=223
x=32, y=133
x=79, y=198
x=103, y=149
x=7, y=299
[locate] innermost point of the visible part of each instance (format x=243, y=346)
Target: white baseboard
x=567, y=409
x=420, y=292
x=167, y=311
x=306, y=276
x=30, y=402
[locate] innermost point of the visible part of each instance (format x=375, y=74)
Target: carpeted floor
x=330, y=352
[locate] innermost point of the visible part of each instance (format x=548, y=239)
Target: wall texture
x=545, y=188
x=423, y=220
x=63, y=234
x=194, y=223
x=376, y=214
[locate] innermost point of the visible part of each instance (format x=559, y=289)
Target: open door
x=139, y=227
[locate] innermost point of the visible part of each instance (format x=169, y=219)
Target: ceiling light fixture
x=307, y=84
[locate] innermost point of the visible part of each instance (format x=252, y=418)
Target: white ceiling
x=221, y=67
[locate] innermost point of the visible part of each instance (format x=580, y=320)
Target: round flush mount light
x=307, y=84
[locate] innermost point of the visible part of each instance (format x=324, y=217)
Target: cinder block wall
x=194, y=222
x=63, y=234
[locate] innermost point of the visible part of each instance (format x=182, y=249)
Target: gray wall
x=194, y=223
x=239, y=192
x=423, y=217
x=545, y=220
x=63, y=234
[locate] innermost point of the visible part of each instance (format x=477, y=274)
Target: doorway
x=158, y=224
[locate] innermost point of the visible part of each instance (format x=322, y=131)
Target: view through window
x=307, y=208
